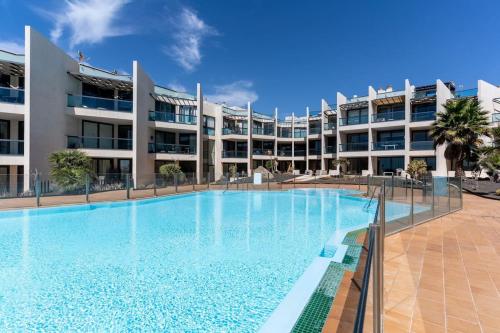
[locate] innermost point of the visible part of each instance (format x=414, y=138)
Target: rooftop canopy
x=170, y=96
x=11, y=63
x=102, y=78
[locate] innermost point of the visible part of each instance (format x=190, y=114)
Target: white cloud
x=88, y=21
x=237, y=93
x=12, y=47
x=188, y=37
x=177, y=86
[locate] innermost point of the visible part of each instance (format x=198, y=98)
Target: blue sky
x=285, y=54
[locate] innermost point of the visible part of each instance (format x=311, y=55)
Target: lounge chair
x=296, y=172
x=365, y=173
x=334, y=173
x=469, y=174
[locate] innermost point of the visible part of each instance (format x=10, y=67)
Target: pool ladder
x=369, y=203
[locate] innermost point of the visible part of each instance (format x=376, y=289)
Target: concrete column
x=372, y=94
x=250, y=141
x=218, y=171
x=307, y=139
x=408, y=96
x=324, y=107
x=199, y=134
x=276, y=132
x=442, y=95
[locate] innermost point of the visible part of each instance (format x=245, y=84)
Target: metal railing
x=263, y=131
x=91, y=102
x=314, y=151
x=261, y=151
x=422, y=145
x=300, y=133
x=234, y=131
x=357, y=99
x=87, y=142
x=358, y=146
x=388, y=116
x=170, y=117
x=11, y=147
x=314, y=130
x=209, y=131
x=167, y=148
x=234, y=154
x=299, y=152
x=330, y=149
x=465, y=93
x=424, y=94
x=284, y=152
x=11, y=95
x=347, y=121
x=423, y=116
x=388, y=145
x=330, y=126
x=389, y=94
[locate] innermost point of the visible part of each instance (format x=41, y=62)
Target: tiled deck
x=441, y=276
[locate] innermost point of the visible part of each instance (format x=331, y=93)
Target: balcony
x=234, y=131
x=424, y=94
x=170, y=117
x=285, y=135
x=209, y=131
x=390, y=94
x=11, y=147
x=388, y=116
x=422, y=145
x=284, y=152
x=86, y=142
x=314, y=151
x=167, y=148
x=299, y=134
x=329, y=126
x=314, y=130
x=358, y=146
x=263, y=131
x=465, y=93
x=108, y=104
x=330, y=149
x=299, y=152
x=353, y=120
x=423, y=116
x=357, y=99
x=495, y=117
x=11, y=95
x=260, y=151
x=234, y=154
x=388, y=145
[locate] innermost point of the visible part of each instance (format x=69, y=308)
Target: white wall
x=443, y=94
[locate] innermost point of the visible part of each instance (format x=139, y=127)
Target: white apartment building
x=128, y=124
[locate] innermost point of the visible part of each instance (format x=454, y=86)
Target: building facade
x=129, y=125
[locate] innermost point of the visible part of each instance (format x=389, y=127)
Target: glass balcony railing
x=11, y=95
x=465, y=93
x=330, y=126
x=168, y=148
x=284, y=152
x=388, y=145
x=353, y=120
x=263, y=131
x=423, y=116
x=357, y=99
x=234, y=131
x=109, y=104
x=424, y=94
x=209, y=131
x=86, y=142
x=358, y=146
x=170, y=117
x=285, y=135
x=234, y=154
x=422, y=145
x=330, y=149
x=261, y=151
x=388, y=116
x=299, y=134
x=11, y=147
x=390, y=94
x=313, y=151
x=495, y=117
x=299, y=152
x=314, y=130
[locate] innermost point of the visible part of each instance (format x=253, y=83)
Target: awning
x=355, y=105
x=400, y=99
x=174, y=100
x=106, y=83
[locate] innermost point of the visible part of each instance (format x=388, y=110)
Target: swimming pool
x=208, y=261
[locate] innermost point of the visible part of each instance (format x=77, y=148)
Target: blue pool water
x=210, y=261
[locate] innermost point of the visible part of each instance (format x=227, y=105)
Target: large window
x=390, y=164
x=420, y=136
x=164, y=137
x=398, y=135
x=209, y=125
x=95, y=91
x=357, y=138
x=357, y=116
x=97, y=135
x=164, y=107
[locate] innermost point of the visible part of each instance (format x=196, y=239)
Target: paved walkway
x=444, y=275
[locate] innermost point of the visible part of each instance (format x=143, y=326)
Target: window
x=398, y=135
x=164, y=137
x=164, y=107
x=357, y=138
x=97, y=135
x=391, y=108
x=95, y=91
x=390, y=164
x=420, y=136
x=424, y=108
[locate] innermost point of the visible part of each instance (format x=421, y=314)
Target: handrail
x=360, y=313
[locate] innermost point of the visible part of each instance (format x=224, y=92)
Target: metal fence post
x=461, y=194
x=127, y=184
x=433, y=208
x=378, y=268
x=37, y=189
x=368, y=185
x=449, y=194
x=406, y=186
x=412, y=217
x=87, y=188
x=175, y=183
x=237, y=181
x=268, y=181
x=154, y=185
x=193, y=180
x=392, y=187
x=208, y=180
x=227, y=181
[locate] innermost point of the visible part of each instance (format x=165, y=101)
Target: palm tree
x=462, y=126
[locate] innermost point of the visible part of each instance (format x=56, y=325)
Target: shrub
x=233, y=170
x=269, y=165
x=417, y=168
x=170, y=169
x=497, y=192
x=69, y=168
